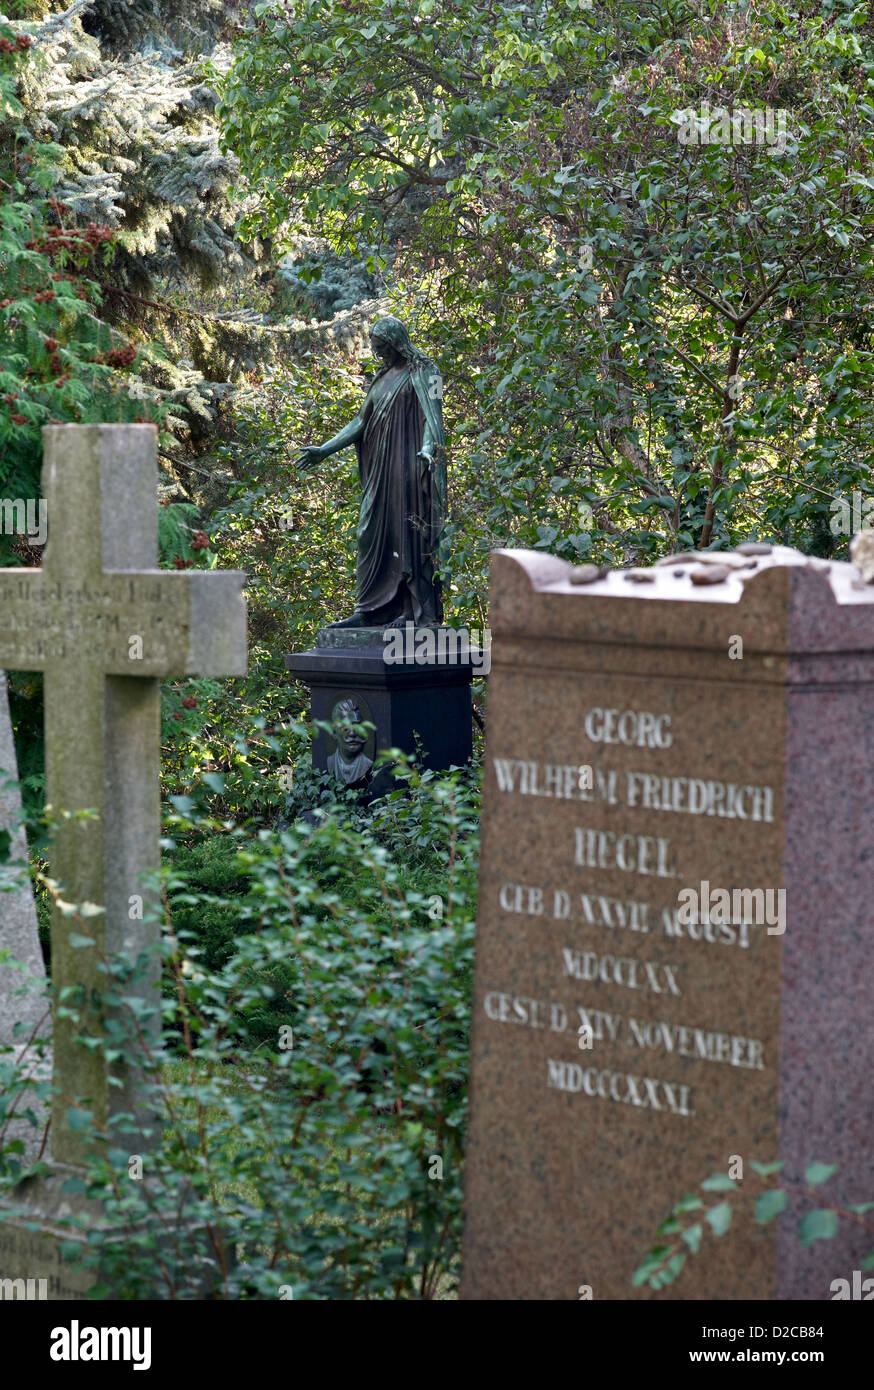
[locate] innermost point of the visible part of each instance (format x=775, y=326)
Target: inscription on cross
x=104, y=623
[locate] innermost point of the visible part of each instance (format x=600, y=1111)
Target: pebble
x=640, y=576
x=680, y=557
x=587, y=574
x=754, y=548
x=862, y=554
x=725, y=558
x=710, y=574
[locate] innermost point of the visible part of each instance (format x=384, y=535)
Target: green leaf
x=687, y=1204
x=816, y=1173
x=79, y=1120
x=719, y=1218
x=214, y=780
x=674, y=1265
x=74, y=1185
x=645, y=1270
x=765, y=1170
x=669, y=1227
x=770, y=1204
x=720, y=1182
x=77, y=940
x=821, y=1224
x=692, y=1236
x=868, y=1261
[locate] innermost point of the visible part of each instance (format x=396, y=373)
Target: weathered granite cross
x=104, y=623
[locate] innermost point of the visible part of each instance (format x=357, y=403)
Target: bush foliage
x=314, y=1113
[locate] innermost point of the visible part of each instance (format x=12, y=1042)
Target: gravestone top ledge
x=782, y=602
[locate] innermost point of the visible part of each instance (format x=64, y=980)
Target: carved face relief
x=345, y=716
x=349, y=762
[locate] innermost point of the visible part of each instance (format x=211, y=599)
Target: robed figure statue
x=398, y=436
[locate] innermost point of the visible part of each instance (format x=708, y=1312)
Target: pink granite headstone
x=647, y=740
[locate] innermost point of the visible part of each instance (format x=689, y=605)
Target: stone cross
x=104, y=624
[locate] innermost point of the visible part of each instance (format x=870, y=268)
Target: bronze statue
x=398, y=436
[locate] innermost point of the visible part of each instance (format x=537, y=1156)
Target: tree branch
x=44, y=31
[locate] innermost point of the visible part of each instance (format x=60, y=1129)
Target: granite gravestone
x=22, y=986
x=646, y=742
x=104, y=624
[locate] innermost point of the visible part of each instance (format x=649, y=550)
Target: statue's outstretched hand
x=309, y=456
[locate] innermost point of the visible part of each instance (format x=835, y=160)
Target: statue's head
x=345, y=715
x=390, y=342
x=388, y=336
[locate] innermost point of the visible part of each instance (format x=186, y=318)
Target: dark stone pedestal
x=415, y=684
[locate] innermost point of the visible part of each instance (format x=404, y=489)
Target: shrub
x=326, y=1161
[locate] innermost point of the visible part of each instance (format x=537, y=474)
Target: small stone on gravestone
x=20, y=936
x=754, y=548
x=724, y=558
x=587, y=574
x=621, y=1056
x=862, y=554
x=709, y=574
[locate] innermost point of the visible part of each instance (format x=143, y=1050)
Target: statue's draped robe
x=403, y=498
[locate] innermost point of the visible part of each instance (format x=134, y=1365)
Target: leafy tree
x=641, y=338
x=106, y=106
x=58, y=361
